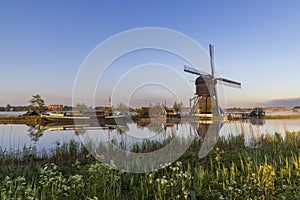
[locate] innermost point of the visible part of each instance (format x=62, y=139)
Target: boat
x=84, y=119
x=112, y=119
x=64, y=118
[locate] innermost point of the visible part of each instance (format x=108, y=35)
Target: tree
x=67, y=108
x=177, y=106
x=37, y=103
x=157, y=110
x=80, y=107
x=122, y=108
x=8, y=107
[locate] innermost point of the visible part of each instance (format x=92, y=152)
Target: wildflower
x=163, y=181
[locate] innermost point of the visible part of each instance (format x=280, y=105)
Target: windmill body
x=205, y=102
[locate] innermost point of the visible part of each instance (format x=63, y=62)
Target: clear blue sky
x=43, y=43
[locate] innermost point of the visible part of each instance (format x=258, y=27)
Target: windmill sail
x=211, y=55
x=228, y=82
x=193, y=70
x=216, y=110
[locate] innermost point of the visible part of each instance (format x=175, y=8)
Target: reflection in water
x=80, y=132
x=143, y=131
x=35, y=132
x=144, y=145
x=257, y=121
x=208, y=133
x=16, y=136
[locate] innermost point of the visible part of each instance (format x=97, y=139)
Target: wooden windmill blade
x=222, y=81
x=193, y=70
x=215, y=92
x=230, y=83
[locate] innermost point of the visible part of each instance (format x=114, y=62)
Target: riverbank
x=294, y=116
x=230, y=171
x=30, y=120
x=20, y=120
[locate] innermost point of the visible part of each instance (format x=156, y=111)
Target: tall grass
x=230, y=171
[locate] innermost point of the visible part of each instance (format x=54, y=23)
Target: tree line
x=37, y=103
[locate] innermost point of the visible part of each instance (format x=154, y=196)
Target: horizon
x=256, y=43
x=169, y=105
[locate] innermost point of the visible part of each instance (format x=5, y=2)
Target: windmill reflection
x=207, y=132
x=257, y=121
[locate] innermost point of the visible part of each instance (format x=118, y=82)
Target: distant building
x=55, y=107
x=170, y=112
x=31, y=113
x=144, y=111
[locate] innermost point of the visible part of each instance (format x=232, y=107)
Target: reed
x=231, y=171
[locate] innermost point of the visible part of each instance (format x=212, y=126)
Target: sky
x=44, y=43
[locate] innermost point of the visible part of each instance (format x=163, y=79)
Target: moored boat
x=112, y=119
x=63, y=118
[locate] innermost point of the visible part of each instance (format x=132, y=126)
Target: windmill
x=205, y=101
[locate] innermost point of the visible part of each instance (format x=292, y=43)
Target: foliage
x=177, y=106
x=81, y=107
x=37, y=103
x=230, y=171
x=14, y=108
x=67, y=108
x=8, y=107
x=258, y=109
x=157, y=110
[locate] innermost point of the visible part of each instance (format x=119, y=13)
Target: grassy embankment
x=230, y=171
x=282, y=117
x=19, y=119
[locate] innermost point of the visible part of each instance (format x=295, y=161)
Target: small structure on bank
x=31, y=113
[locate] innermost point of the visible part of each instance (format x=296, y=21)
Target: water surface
x=17, y=136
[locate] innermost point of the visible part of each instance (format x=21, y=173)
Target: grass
x=20, y=119
x=294, y=116
x=230, y=171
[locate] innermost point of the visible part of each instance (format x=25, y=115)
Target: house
x=55, y=107
x=31, y=113
x=144, y=111
x=170, y=112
